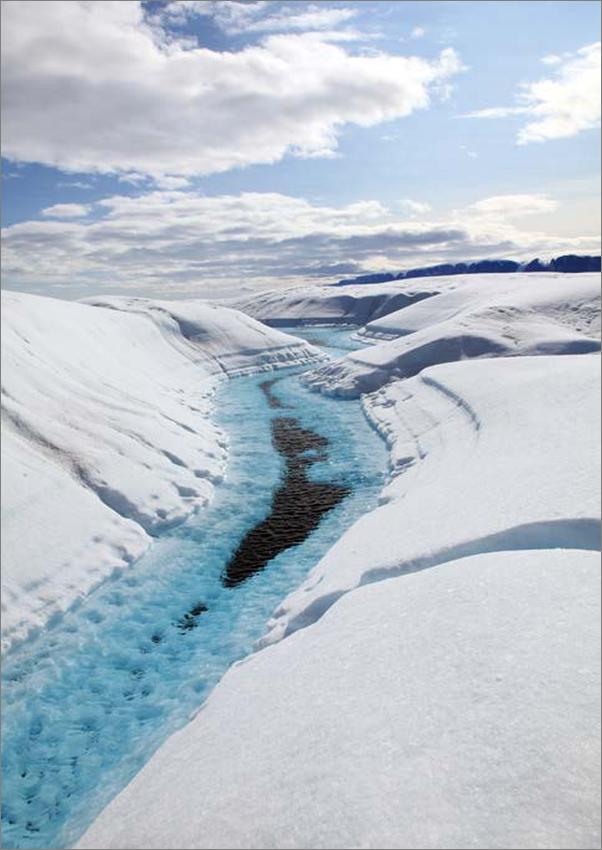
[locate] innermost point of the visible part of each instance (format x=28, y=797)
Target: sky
x=186, y=148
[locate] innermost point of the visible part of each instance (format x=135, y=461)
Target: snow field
x=435, y=680
x=492, y=316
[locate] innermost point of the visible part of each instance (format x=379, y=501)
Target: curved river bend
x=86, y=703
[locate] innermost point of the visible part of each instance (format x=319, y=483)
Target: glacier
x=434, y=682
x=108, y=436
x=434, y=679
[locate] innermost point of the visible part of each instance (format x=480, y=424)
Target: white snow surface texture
x=107, y=434
x=435, y=682
x=473, y=316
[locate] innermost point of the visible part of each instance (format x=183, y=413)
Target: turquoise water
x=86, y=703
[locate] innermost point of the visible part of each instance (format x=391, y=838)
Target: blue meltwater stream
x=87, y=702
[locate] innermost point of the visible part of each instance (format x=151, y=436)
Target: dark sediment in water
x=297, y=506
x=189, y=620
x=266, y=388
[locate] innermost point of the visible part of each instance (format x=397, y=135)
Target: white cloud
x=511, y=206
x=567, y=104
x=418, y=32
x=497, y=112
x=561, y=106
x=66, y=211
x=74, y=184
x=236, y=17
x=551, y=59
x=414, y=207
x=103, y=90
x=313, y=18
x=231, y=16
x=176, y=242
x=167, y=182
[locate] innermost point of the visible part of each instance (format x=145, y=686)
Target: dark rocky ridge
x=568, y=263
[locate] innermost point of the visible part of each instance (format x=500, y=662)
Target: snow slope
x=107, y=436
x=354, y=305
x=486, y=455
x=451, y=708
x=435, y=681
x=492, y=316
x=572, y=300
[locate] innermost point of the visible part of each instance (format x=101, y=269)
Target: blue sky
x=303, y=127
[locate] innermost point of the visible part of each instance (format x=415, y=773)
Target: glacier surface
x=435, y=682
x=108, y=436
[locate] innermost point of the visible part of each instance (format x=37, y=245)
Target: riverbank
x=435, y=680
x=88, y=701
x=109, y=436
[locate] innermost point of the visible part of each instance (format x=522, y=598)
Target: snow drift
x=107, y=436
x=439, y=681
x=493, y=316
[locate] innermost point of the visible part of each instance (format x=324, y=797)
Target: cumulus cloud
x=106, y=89
x=66, y=211
x=234, y=17
x=180, y=242
x=560, y=106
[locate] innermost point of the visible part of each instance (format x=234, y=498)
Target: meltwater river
x=86, y=703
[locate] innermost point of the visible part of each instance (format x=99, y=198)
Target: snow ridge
x=496, y=316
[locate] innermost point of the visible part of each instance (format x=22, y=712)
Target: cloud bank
x=107, y=89
x=179, y=243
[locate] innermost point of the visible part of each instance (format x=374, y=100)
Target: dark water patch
x=266, y=388
x=189, y=620
x=298, y=504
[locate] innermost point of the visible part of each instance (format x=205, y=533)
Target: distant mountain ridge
x=572, y=263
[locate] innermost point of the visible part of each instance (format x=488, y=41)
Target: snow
x=107, y=435
x=354, y=305
x=435, y=681
x=491, y=316
x=573, y=300
x=455, y=707
x=486, y=455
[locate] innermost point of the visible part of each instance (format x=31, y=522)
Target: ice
x=485, y=455
x=435, y=680
x=87, y=702
x=108, y=436
x=452, y=708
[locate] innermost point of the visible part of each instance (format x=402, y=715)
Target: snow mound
x=572, y=300
x=354, y=305
x=107, y=434
x=222, y=339
x=451, y=708
x=486, y=455
x=494, y=316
